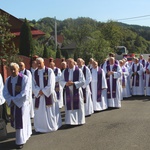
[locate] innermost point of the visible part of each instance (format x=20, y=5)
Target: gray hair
x=40, y=59
x=12, y=64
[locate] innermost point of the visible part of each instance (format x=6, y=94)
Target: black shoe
x=19, y=146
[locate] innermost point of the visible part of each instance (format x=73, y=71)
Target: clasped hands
x=40, y=92
x=69, y=83
x=110, y=73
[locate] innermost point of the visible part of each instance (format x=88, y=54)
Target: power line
x=133, y=17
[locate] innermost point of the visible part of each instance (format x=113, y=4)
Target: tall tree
x=58, y=53
x=45, y=53
x=26, y=42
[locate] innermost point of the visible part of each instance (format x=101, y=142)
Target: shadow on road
x=142, y=98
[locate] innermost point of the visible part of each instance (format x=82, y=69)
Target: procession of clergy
x=40, y=92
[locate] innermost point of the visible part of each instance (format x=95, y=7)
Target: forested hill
x=102, y=37
x=143, y=31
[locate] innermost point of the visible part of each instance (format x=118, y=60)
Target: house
x=16, y=27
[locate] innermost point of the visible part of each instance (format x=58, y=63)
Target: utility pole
x=55, y=35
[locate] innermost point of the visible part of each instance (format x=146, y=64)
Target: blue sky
x=100, y=10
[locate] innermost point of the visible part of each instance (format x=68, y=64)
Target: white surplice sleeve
x=88, y=78
x=62, y=80
x=104, y=83
x=2, y=100
x=140, y=72
x=118, y=73
x=81, y=81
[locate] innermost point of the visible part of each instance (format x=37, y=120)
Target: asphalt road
x=127, y=128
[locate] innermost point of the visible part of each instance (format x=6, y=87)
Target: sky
x=135, y=12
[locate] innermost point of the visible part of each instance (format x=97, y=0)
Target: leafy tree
x=58, y=53
x=7, y=47
x=45, y=53
x=26, y=42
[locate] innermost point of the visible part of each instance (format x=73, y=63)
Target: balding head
x=70, y=63
x=80, y=62
x=22, y=66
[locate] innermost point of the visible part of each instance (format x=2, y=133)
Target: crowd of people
x=42, y=91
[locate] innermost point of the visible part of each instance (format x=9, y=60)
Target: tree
x=7, y=47
x=26, y=42
x=45, y=53
x=58, y=53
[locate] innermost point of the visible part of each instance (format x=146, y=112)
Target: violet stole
x=99, y=84
x=113, y=82
x=48, y=100
x=143, y=62
x=147, y=64
x=75, y=91
x=57, y=90
x=84, y=90
x=136, y=76
x=18, y=111
x=123, y=78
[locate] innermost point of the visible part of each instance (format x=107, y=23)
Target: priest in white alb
x=124, y=80
x=147, y=78
x=47, y=114
x=73, y=79
x=137, y=78
x=98, y=87
x=16, y=93
x=113, y=74
x=86, y=88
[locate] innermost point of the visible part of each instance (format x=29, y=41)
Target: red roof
x=17, y=23
x=60, y=38
x=34, y=33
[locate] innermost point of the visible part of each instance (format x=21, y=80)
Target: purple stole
x=75, y=104
x=143, y=62
x=57, y=85
x=123, y=78
x=147, y=64
x=18, y=111
x=84, y=90
x=113, y=82
x=48, y=100
x=137, y=75
x=25, y=72
x=99, y=84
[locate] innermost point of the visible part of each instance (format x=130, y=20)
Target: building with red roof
x=16, y=27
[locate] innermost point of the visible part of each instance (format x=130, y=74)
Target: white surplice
x=20, y=100
x=2, y=100
x=125, y=89
x=57, y=79
x=147, y=79
x=74, y=117
x=89, y=104
x=47, y=118
x=98, y=106
x=115, y=102
x=28, y=73
x=138, y=90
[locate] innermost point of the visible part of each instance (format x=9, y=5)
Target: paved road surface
x=127, y=128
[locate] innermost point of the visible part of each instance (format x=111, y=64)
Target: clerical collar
x=42, y=69
x=14, y=77
x=72, y=68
